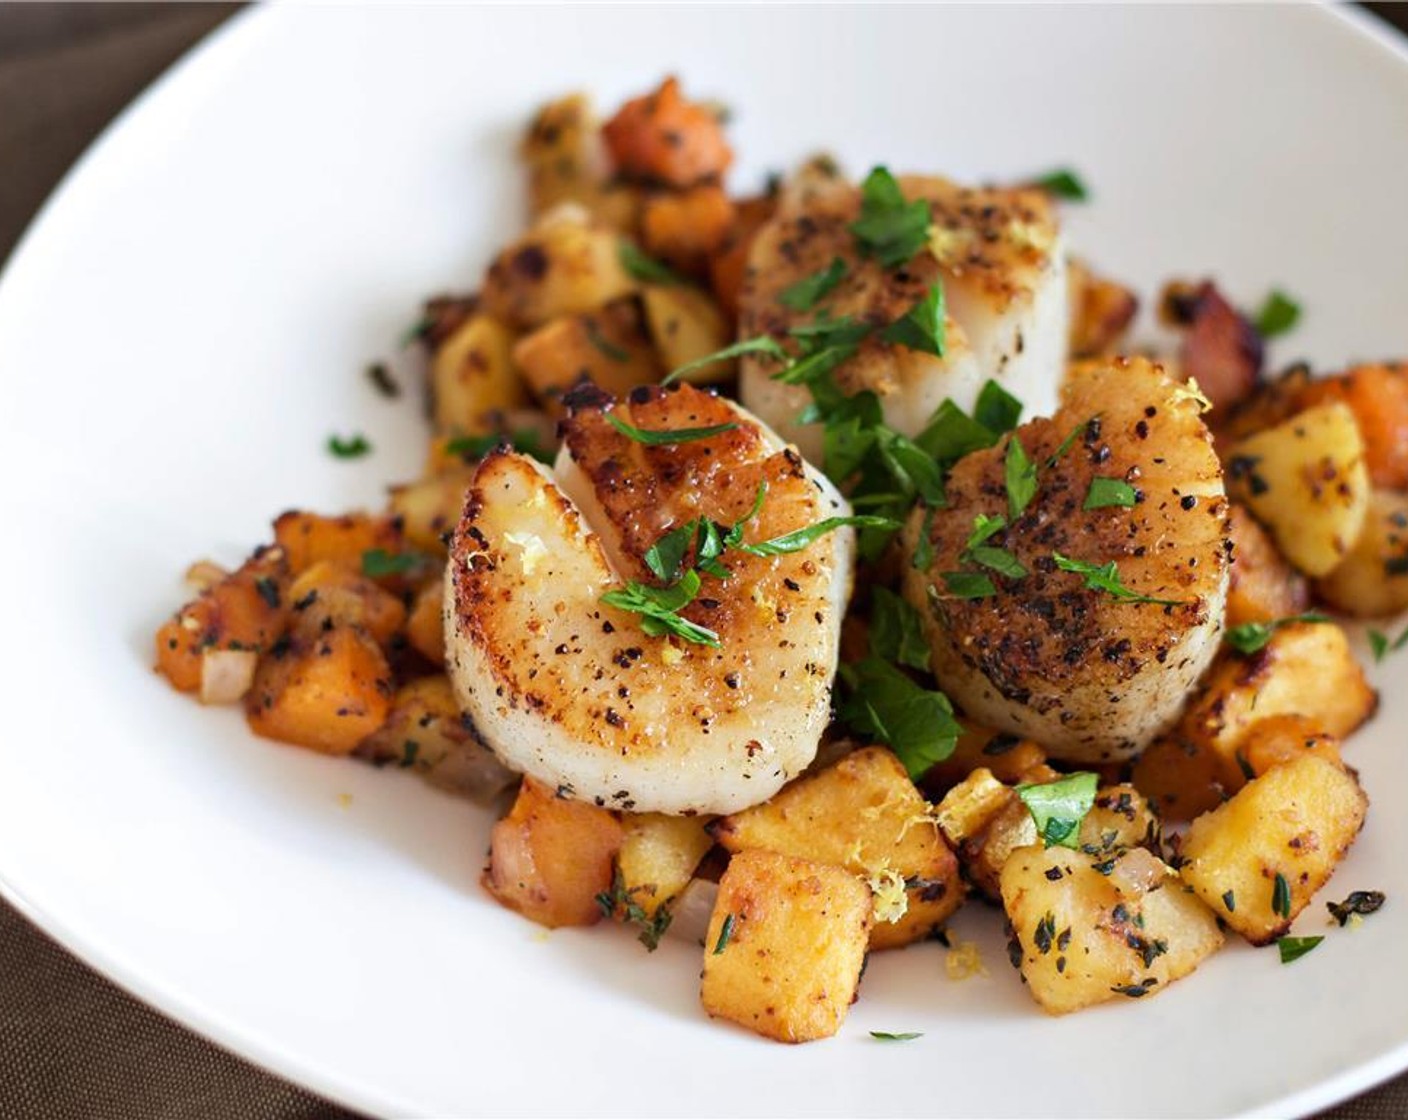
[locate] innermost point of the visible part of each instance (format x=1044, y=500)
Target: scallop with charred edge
x=1000, y=258
x=1085, y=673
x=570, y=690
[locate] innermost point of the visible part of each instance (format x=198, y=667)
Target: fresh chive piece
x=604, y=345
x=917, y=723
x=1059, y=807
x=896, y=1036
x=760, y=345
x=1107, y=492
x=922, y=327
x=1281, y=896
x=996, y=409
x=1063, y=183
x=659, y=609
x=1278, y=314
x=642, y=267
x=1069, y=442
x=799, y=539
x=969, y=585
x=1019, y=474
x=811, y=290
x=1248, y=637
x=725, y=934
x=377, y=562
x=353, y=447
x=1106, y=577
x=889, y=228
x=1293, y=948
x=657, y=438
x=897, y=631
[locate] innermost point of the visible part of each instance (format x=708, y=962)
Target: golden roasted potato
x=472, y=377
x=564, y=265
x=687, y=325
x=1082, y=936
x=307, y=538
x=1262, y=585
x=1180, y=777
x=1101, y=311
x=1258, y=859
x=786, y=945
x=686, y=228
x=1010, y=759
x=564, y=153
x=609, y=346
x=863, y=814
x=1372, y=580
x=550, y=857
x=1282, y=739
x=425, y=624
x=431, y=508
x=328, y=592
x=1306, y=481
x=658, y=856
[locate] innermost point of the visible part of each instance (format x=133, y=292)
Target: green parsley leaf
x=1106, y=492
x=354, y=447
x=657, y=438
x=1059, y=807
x=666, y=556
x=896, y=1036
x=604, y=345
x=969, y=585
x=951, y=434
x=811, y=290
x=524, y=440
x=889, y=228
x=659, y=608
x=377, y=562
x=825, y=332
x=1281, y=896
x=923, y=558
x=799, y=539
x=1277, y=315
x=1293, y=948
x=911, y=466
x=642, y=267
x=1106, y=577
x=1382, y=645
x=897, y=631
x=1248, y=637
x=984, y=529
x=916, y=722
x=999, y=560
x=1019, y=474
x=725, y=934
x=1063, y=183
x=922, y=327
x=760, y=345
x=996, y=409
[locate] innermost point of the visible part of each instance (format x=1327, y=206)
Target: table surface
x=71, y=1043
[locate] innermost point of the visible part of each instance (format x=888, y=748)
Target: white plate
x=189, y=320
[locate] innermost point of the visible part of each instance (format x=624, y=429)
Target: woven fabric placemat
x=73, y=1045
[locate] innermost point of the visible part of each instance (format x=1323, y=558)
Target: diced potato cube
x=1377, y=394
x=550, y=857
x=425, y=625
x=1101, y=311
x=310, y=537
x=1082, y=936
x=1180, y=777
x=865, y=815
x=1258, y=859
x=1262, y=586
x=687, y=325
x=1009, y=759
x=686, y=228
x=1306, y=481
x=1282, y=739
x=658, y=856
x=329, y=591
x=1373, y=579
x=786, y=945
x=1120, y=818
x=431, y=508
x=564, y=265
x=970, y=806
x=564, y=152
x=472, y=377
x=609, y=346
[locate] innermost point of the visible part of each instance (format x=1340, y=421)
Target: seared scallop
x=1053, y=644
x=573, y=691
x=1000, y=258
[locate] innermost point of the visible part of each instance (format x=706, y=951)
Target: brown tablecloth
x=72, y=1044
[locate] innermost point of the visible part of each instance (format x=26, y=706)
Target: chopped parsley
x=642, y=267
x=799, y=539
x=969, y=585
x=604, y=345
x=917, y=723
x=1382, y=645
x=1107, y=492
x=659, y=609
x=1293, y=948
x=896, y=1036
x=1069, y=442
x=523, y=440
x=760, y=345
x=897, y=631
x=1248, y=637
x=1019, y=474
x=1106, y=577
x=922, y=326
x=923, y=558
x=889, y=228
x=377, y=562
x=1358, y=902
x=996, y=409
x=1278, y=314
x=1281, y=896
x=353, y=447
x=725, y=934
x=811, y=290
x=951, y=433
x=1063, y=183
x=657, y=438
x=1059, y=807
x=620, y=902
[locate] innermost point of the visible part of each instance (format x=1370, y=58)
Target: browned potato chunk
x=564, y=152
x=687, y=325
x=785, y=946
x=1263, y=586
x=1082, y=936
x=658, y=856
x=1009, y=758
x=472, y=377
x=1282, y=739
x=1306, y=669
x=610, y=347
x=1258, y=859
x=550, y=857
x=865, y=815
x=310, y=537
x=1180, y=777
x=425, y=625
x=1373, y=579
x=1101, y=312
x=329, y=591
x=429, y=509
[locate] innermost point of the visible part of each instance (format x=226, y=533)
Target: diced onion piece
x=226, y=674
x=205, y=574
x=690, y=911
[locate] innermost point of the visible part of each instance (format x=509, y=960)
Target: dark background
x=71, y=1044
